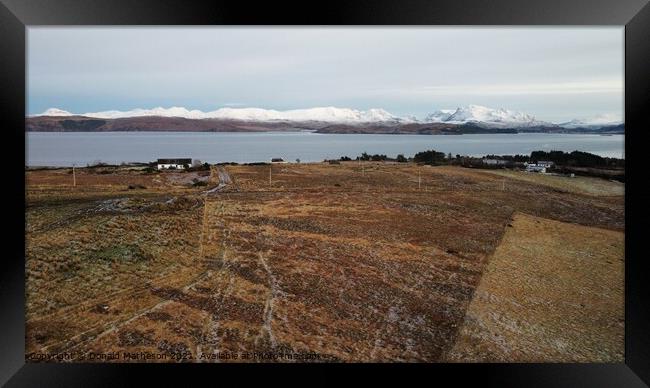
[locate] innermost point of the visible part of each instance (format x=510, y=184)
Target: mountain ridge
x=474, y=114
x=179, y=124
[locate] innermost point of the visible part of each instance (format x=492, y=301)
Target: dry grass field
x=342, y=262
x=552, y=291
x=578, y=184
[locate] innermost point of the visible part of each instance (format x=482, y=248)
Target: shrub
x=429, y=157
x=126, y=252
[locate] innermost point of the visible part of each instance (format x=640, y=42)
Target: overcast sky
x=555, y=74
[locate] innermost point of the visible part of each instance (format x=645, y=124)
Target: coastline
x=82, y=148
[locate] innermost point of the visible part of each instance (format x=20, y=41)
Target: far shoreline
x=62, y=149
x=316, y=132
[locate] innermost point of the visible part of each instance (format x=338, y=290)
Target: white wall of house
x=166, y=166
x=535, y=168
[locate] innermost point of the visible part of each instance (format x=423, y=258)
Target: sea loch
x=82, y=148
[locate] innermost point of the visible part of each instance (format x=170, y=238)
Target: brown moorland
x=345, y=262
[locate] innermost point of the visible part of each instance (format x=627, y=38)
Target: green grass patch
x=121, y=253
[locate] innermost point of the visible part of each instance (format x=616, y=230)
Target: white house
x=535, y=168
x=178, y=164
x=545, y=163
x=540, y=166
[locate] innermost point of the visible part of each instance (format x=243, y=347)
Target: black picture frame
x=16, y=15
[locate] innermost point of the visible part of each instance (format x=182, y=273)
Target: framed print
x=434, y=187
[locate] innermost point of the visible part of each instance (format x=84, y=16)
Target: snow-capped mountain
x=597, y=121
x=324, y=114
x=439, y=116
x=486, y=116
x=480, y=115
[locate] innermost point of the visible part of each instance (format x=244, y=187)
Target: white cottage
x=535, y=168
x=178, y=164
x=545, y=163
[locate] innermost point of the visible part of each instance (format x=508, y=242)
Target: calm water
x=81, y=148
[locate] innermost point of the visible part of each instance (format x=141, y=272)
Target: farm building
x=277, y=160
x=181, y=163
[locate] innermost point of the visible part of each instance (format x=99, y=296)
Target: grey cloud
x=407, y=71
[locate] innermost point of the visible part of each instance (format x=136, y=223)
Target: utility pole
x=74, y=177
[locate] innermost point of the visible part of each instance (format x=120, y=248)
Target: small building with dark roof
x=545, y=163
x=495, y=162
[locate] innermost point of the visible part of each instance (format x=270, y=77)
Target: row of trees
x=576, y=158
x=420, y=157
x=560, y=158
x=375, y=158
x=511, y=158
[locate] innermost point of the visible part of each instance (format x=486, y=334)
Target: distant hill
x=413, y=129
x=156, y=123
x=179, y=124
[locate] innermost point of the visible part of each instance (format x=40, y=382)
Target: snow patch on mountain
x=324, y=114
x=439, y=116
x=483, y=115
x=55, y=112
x=597, y=121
